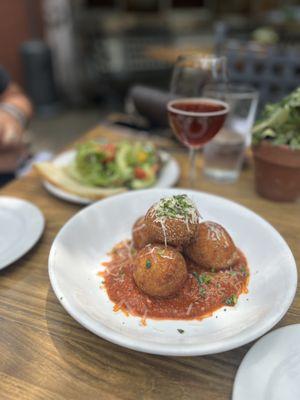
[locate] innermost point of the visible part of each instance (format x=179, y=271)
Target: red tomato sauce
x=203, y=292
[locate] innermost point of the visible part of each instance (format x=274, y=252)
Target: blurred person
x=15, y=113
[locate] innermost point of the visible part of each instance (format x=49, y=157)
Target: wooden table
x=45, y=354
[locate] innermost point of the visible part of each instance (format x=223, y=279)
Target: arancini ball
x=172, y=221
x=140, y=235
x=212, y=247
x=159, y=271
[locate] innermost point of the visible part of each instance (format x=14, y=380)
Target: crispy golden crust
x=140, y=235
x=174, y=232
x=159, y=271
x=212, y=247
x=59, y=178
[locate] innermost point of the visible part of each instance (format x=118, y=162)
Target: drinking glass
x=224, y=155
x=195, y=119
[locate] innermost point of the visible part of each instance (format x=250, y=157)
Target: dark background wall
x=20, y=20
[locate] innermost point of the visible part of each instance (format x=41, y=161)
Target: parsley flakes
x=179, y=206
x=232, y=300
x=202, y=279
x=244, y=271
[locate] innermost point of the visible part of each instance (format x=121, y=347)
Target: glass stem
x=192, y=167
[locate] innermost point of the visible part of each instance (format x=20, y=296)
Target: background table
x=171, y=53
x=45, y=354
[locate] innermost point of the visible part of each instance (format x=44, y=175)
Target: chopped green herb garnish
x=179, y=206
x=213, y=270
x=232, y=273
x=181, y=331
x=202, y=279
x=232, y=300
x=148, y=264
x=205, y=279
x=196, y=275
x=244, y=271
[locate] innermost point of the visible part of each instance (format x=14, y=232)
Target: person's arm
x=15, y=97
x=15, y=112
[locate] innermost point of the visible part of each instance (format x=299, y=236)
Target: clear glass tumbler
x=224, y=154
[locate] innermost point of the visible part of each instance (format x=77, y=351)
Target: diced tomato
x=110, y=147
x=139, y=173
x=110, y=152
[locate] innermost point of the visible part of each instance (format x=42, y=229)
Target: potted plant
x=276, y=149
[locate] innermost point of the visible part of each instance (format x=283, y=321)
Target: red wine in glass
x=195, y=121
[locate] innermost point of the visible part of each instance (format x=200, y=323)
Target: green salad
x=134, y=165
x=280, y=122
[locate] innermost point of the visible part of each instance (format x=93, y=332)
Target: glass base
x=221, y=175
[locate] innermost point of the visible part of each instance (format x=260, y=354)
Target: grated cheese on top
x=216, y=233
x=176, y=207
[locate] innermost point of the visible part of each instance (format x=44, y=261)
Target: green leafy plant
x=280, y=122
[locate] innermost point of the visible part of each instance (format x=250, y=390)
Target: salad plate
x=167, y=177
x=85, y=240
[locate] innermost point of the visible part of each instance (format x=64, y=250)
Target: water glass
x=224, y=154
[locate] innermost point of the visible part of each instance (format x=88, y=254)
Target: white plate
x=21, y=225
x=271, y=369
x=168, y=176
x=86, y=238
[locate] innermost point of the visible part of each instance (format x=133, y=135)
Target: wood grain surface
x=45, y=354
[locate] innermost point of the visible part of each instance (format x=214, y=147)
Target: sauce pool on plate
x=202, y=293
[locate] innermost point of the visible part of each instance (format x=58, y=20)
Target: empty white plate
x=271, y=369
x=84, y=241
x=21, y=225
x=167, y=177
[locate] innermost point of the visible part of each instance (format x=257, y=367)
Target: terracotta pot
x=277, y=171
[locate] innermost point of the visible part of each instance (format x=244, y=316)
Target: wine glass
x=194, y=119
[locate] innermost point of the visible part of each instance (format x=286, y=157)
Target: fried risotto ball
x=212, y=247
x=172, y=221
x=140, y=235
x=159, y=271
